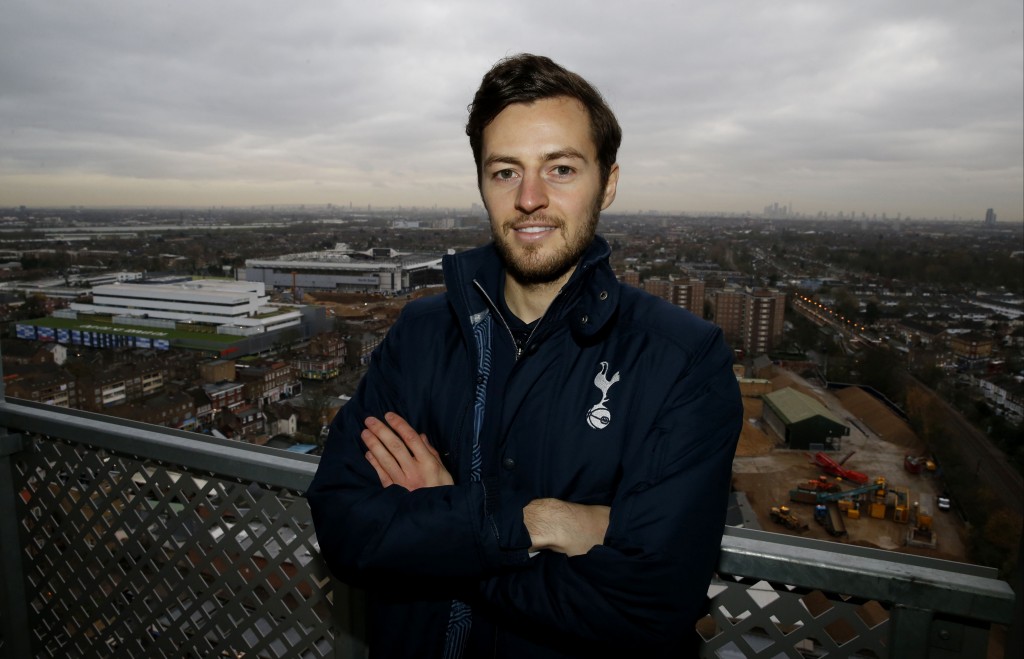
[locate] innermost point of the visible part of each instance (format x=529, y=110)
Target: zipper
x=497, y=312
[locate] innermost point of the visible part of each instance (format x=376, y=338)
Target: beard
x=528, y=265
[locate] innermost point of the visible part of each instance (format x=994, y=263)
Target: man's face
x=541, y=184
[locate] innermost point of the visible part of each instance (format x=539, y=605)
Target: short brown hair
x=527, y=78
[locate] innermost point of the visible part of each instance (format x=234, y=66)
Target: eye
x=505, y=174
x=563, y=171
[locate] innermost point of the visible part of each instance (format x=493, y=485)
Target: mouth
x=532, y=227
x=532, y=235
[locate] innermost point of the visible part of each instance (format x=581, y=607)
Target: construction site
x=841, y=465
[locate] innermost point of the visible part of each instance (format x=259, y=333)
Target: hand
x=564, y=527
x=401, y=456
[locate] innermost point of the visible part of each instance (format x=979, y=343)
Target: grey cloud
x=747, y=100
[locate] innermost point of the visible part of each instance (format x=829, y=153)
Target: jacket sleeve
x=367, y=532
x=647, y=584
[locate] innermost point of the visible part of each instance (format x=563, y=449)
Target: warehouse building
x=802, y=422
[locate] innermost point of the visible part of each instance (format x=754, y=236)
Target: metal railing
x=124, y=539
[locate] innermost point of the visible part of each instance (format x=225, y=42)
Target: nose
x=531, y=194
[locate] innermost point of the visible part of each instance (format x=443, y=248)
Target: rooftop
x=795, y=406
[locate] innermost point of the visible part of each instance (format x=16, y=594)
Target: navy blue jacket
x=619, y=399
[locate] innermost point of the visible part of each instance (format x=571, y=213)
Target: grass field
x=176, y=336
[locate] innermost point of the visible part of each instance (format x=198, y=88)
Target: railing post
x=908, y=632
x=17, y=641
x=918, y=634
x=349, y=617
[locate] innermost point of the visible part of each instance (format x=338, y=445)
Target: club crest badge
x=598, y=416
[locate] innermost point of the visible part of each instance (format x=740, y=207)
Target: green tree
x=871, y=313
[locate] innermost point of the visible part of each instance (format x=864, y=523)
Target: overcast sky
x=912, y=107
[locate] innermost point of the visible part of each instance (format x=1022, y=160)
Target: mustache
x=514, y=223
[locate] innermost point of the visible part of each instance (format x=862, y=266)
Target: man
x=537, y=462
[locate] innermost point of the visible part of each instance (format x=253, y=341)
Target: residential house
x=42, y=383
x=267, y=382
x=172, y=409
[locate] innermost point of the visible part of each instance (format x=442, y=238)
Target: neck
x=529, y=301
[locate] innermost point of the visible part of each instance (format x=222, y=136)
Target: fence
x=124, y=539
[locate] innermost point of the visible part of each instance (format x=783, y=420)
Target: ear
x=610, y=187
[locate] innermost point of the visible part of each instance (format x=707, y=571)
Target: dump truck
x=829, y=516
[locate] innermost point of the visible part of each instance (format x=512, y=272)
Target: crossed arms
x=388, y=515
x=401, y=456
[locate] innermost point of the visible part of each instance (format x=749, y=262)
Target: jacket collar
x=588, y=300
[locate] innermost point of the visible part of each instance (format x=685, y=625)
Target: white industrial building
x=378, y=270
x=235, y=307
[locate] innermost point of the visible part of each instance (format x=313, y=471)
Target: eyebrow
x=567, y=152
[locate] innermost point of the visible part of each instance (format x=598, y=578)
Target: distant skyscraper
x=990, y=217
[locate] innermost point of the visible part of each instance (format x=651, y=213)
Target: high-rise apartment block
x=729, y=312
x=630, y=277
x=990, y=217
x=764, y=322
x=685, y=293
x=659, y=288
x=751, y=319
x=689, y=295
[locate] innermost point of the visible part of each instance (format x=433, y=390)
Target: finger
x=385, y=458
x=402, y=428
x=430, y=447
x=394, y=443
x=412, y=439
x=385, y=478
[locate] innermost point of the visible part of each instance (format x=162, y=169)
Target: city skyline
x=909, y=110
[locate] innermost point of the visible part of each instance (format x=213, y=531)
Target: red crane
x=836, y=468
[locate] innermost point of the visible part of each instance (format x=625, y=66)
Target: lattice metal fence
x=755, y=618
x=125, y=557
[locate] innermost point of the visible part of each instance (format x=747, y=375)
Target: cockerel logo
x=598, y=417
